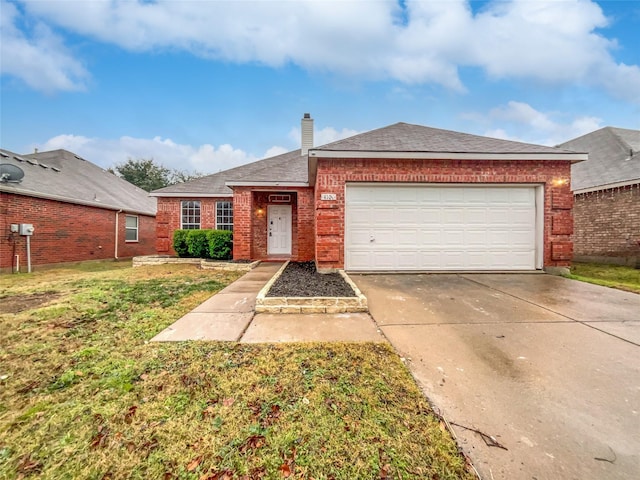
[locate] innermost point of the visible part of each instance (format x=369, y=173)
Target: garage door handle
x=371, y=239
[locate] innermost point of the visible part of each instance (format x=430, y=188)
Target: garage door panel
x=475, y=216
x=452, y=216
x=407, y=237
x=431, y=237
x=440, y=228
x=407, y=215
x=384, y=260
x=384, y=216
x=430, y=216
x=452, y=237
x=357, y=216
x=498, y=215
x=358, y=238
x=383, y=237
x=497, y=237
x=475, y=238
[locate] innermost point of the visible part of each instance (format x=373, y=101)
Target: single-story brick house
x=606, y=192
x=78, y=211
x=400, y=198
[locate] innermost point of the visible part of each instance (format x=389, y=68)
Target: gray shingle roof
x=288, y=167
x=400, y=137
x=405, y=137
x=62, y=175
x=614, y=157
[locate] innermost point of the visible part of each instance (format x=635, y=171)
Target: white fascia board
x=191, y=195
x=608, y=186
x=59, y=198
x=266, y=184
x=573, y=157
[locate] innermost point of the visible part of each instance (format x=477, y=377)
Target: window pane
x=224, y=215
x=131, y=228
x=190, y=214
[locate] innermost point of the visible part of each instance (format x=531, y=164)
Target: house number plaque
x=328, y=196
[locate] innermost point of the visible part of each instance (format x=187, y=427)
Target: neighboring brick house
x=400, y=198
x=78, y=211
x=606, y=192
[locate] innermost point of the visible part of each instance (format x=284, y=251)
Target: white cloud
x=40, y=60
x=521, y=122
x=109, y=152
x=322, y=136
x=559, y=42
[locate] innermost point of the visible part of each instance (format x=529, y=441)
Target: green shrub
x=220, y=244
x=197, y=243
x=210, y=244
x=180, y=243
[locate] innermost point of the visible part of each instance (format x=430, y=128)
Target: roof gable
x=405, y=137
x=392, y=141
x=62, y=175
x=614, y=159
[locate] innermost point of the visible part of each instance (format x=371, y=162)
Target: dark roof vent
x=20, y=159
x=4, y=155
x=32, y=161
x=55, y=169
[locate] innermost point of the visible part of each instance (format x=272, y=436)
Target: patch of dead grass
x=84, y=395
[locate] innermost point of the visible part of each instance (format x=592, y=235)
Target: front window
x=224, y=215
x=131, y=228
x=190, y=215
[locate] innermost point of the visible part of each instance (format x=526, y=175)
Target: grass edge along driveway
x=83, y=394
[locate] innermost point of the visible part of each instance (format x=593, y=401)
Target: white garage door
x=426, y=227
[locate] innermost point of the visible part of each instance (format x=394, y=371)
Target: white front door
x=279, y=230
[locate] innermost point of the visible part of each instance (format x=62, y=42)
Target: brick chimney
x=306, y=127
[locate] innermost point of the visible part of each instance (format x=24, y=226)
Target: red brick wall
x=66, y=232
x=333, y=174
x=168, y=219
x=250, y=223
x=607, y=225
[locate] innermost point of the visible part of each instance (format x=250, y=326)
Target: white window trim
x=224, y=201
x=182, y=202
x=136, y=229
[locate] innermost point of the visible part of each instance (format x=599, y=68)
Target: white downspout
x=115, y=253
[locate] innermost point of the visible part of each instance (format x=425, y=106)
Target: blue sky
x=207, y=85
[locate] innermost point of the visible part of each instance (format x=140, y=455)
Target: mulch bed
x=301, y=279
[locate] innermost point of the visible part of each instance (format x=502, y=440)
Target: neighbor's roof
x=63, y=176
x=288, y=168
x=614, y=159
x=412, y=141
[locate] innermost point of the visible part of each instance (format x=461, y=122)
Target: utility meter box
x=26, y=229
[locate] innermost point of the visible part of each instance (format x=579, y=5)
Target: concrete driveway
x=549, y=367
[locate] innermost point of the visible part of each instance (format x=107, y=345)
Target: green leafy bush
x=210, y=244
x=197, y=243
x=220, y=244
x=180, y=243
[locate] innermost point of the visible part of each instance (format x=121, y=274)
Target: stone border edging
x=266, y=304
x=204, y=264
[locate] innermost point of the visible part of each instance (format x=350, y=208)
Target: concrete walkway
x=229, y=316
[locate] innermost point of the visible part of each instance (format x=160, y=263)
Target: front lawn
x=623, y=278
x=83, y=394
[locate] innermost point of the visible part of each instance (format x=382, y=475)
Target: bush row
x=213, y=244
